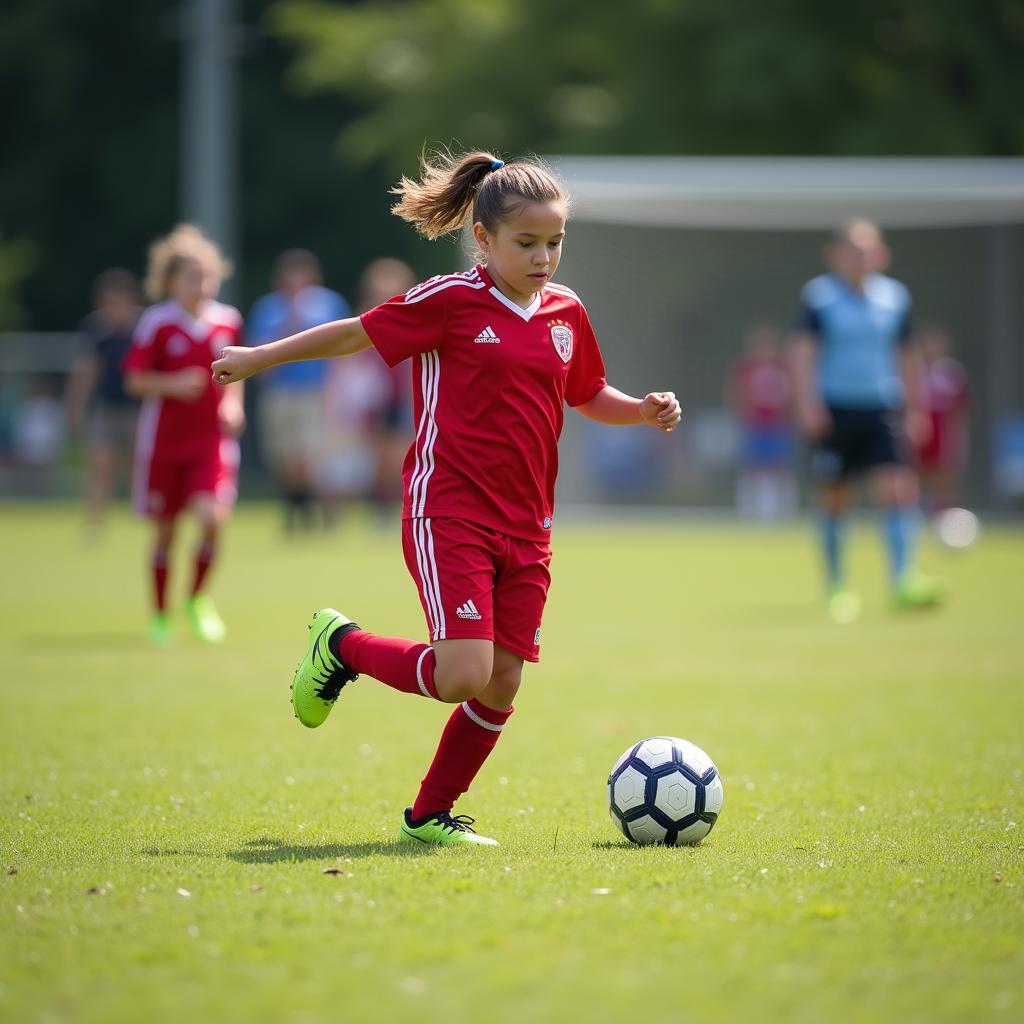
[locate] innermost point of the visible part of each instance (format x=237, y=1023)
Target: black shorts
x=860, y=439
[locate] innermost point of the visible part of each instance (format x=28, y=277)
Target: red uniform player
x=186, y=447
x=943, y=455
x=497, y=352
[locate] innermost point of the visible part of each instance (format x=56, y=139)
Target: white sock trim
x=474, y=717
x=419, y=673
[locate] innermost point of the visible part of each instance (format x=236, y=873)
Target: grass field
x=167, y=827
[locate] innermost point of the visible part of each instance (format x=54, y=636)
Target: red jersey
x=763, y=389
x=490, y=381
x=169, y=339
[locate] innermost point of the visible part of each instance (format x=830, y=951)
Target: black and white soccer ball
x=665, y=790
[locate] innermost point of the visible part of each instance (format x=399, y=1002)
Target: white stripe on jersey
x=471, y=276
x=432, y=562
x=425, y=587
x=476, y=285
x=426, y=433
x=423, y=539
x=561, y=289
x=145, y=442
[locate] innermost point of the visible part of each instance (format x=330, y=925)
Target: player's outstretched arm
x=658, y=409
x=338, y=338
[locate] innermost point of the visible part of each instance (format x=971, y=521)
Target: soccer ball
x=957, y=528
x=664, y=790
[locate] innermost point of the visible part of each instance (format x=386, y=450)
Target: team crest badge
x=561, y=338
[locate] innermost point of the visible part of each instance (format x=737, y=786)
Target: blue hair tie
x=495, y=164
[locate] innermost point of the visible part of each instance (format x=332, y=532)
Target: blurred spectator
x=760, y=393
x=291, y=406
x=98, y=407
x=39, y=429
x=383, y=279
x=942, y=457
x=368, y=410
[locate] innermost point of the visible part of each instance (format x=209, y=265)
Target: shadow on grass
x=275, y=851
x=625, y=844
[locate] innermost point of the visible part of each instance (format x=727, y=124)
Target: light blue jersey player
x=859, y=398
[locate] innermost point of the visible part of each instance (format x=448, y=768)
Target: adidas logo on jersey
x=468, y=611
x=487, y=337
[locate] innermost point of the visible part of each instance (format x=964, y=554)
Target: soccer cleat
x=916, y=590
x=843, y=606
x=320, y=676
x=204, y=619
x=160, y=631
x=441, y=829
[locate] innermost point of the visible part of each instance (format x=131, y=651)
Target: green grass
x=867, y=865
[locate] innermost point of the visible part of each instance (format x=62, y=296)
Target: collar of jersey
x=196, y=325
x=525, y=312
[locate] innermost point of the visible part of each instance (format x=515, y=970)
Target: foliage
x=886, y=77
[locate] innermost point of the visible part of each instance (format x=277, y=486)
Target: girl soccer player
x=496, y=352
x=186, y=447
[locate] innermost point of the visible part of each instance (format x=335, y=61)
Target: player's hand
x=189, y=384
x=814, y=419
x=661, y=409
x=232, y=417
x=235, y=363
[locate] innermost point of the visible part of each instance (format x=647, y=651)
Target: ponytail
x=479, y=184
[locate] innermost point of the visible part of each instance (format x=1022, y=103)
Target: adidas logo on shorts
x=468, y=611
x=487, y=337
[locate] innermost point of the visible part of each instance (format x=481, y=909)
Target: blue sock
x=899, y=524
x=832, y=536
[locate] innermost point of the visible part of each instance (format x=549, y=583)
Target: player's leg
x=101, y=464
x=160, y=631
x=454, y=571
x=202, y=613
x=212, y=488
x=832, y=462
x=895, y=492
x=469, y=737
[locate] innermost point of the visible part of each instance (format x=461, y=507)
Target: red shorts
x=163, y=486
x=476, y=583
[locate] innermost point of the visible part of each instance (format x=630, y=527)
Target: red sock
x=159, y=566
x=470, y=735
x=402, y=664
x=204, y=559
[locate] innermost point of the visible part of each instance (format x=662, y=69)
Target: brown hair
x=167, y=255
x=478, y=184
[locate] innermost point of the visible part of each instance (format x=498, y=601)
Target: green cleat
x=441, y=830
x=916, y=590
x=204, y=619
x=320, y=676
x=160, y=632
x=843, y=606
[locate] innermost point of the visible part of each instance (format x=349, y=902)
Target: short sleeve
x=587, y=372
x=144, y=351
x=906, y=327
x=264, y=322
x=807, y=319
x=408, y=325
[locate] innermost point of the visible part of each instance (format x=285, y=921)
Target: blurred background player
x=859, y=397
x=760, y=393
x=97, y=404
x=942, y=456
x=291, y=413
x=186, y=450
x=383, y=279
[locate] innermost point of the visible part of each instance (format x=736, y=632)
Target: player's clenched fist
x=661, y=409
x=235, y=363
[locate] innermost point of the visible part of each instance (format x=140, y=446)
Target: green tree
x=877, y=77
